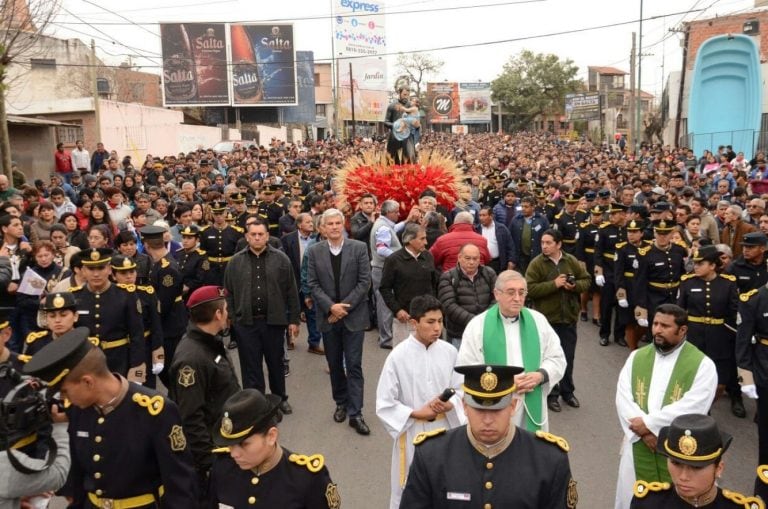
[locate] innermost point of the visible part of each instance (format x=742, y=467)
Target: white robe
x=696, y=401
x=552, y=356
x=411, y=377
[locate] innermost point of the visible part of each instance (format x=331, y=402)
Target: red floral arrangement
x=374, y=173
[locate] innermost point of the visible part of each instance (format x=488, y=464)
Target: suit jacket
x=355, y=278
x=290, y=243
x=734, y=241
x=506, y=244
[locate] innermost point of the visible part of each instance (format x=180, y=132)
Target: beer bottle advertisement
x=273, y=50
x=204, y=55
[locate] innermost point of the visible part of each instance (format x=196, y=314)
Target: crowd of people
x=115, y=275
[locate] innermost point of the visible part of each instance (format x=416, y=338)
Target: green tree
x=533, y=84
x=418, y=66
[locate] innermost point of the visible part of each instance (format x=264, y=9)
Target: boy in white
x=414, y=376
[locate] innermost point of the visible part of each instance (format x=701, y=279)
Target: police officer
x=269, y=211
x=585, y=252
x=611, y=233
x=662, y=264
x=112, y=312
x=255, y=468
x=712, y=301
x=60, y=317
x=475, y=462
x=128, y=446
x=193, y=261
x=125, y=272
x=627, y=265
x=219, y=241
x=239, y=209
x=694, y=447
x=566, y=223
x=751, y=268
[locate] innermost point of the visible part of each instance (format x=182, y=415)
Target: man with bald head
x=6, y=190
x=445, y=250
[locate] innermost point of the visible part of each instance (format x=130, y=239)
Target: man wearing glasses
x=512, y=335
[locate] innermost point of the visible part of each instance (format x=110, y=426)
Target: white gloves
x=157, y=367
x=600, y=280
x=642, y=322
x=624, y=303
x=749, y=391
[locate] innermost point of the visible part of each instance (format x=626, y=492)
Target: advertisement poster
x=359, y=28
x=443, y=103
x=582, y=106
x=370, y=89
x=195, y=66
x=475, y=103
x=263, y=65
x=304, y=112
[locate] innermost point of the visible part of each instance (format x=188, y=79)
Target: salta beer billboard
x=195, y=65
x=263, y=65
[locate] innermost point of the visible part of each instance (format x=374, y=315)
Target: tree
x=534, y=84
x=418, y=66
x=20, y=22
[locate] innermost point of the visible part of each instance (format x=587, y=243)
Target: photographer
x=555, y=280
x=35, y=476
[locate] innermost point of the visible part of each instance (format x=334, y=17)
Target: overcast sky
x=500, y=20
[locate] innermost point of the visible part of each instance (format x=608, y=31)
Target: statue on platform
x=402, y=118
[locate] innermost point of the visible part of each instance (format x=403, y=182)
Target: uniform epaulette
x=200, y=251
x=34, y=336
x=237, y=229
x=424, y=435
x=744, y=297
x=94, y=340
x=72, y=289
x=221, y=450
x=729, y=277
x=559, y=214
x=153, y=404
x=686, y=277
x=604, y=224
x=620, y=245
x=164, y=263
x=554, y=439
x=744, y=501
x=642, y=488
x=762, y=473
x=24, y=358
x=643, y=250
x=127, y=287
x=584, y=224
x=203, y=228
x=682, y=244
x=146, y=289
x=313, y=463
x=581, y=210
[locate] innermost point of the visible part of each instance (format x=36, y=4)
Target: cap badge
x=687, y=444
x=663, y=224
x=226, y=424
x=489, y=381
x=127, y=263
x=58, y=301
x=222, y=292
x=95, y=256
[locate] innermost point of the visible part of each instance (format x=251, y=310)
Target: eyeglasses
x=513, y=292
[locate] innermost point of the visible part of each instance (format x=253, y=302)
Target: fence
x=748, y=141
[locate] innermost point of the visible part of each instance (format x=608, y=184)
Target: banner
x=443, y=103
x=359, y=28
x=195, y=66
x=582, y=106
x=370, y=89
x=475, y=103
x=263, y=65
x=304, y=112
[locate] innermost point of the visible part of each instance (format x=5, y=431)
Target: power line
x=121, y=17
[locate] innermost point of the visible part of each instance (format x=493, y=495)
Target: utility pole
x=679, y=112
x=632, y=133
x=352, y=98
x=639, y=84
x=95, y=92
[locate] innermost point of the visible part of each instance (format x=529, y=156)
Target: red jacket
x=445, y=250
x=63, y=162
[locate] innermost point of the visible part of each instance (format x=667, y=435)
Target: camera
x=570, y=279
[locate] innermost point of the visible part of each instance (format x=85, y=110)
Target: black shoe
x=232, y=345
x=571, y=401
x=287, y=369
x=360, y=426
x=584, y=316
x=737, y=407
x=340, y=415
x=604, y=342
x=621, y=342
x=285, y=407
x=386, y=346
x=553, y=405
x=595, y=321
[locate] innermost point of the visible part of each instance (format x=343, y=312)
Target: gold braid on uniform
x=75, y=288
x=128, y=287
x=762, y=473
x=747, y=502
x=686, y=277
x=153, y=404
x=744, y=297
x=423, y=436
x=559, y=441
x=24, y=358
x=313, y=463
x=164, y=263
x=729, y=277
x=149, y=289
x=642, y=488
x=34, y=336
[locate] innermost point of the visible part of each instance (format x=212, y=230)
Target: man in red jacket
x=63, y=162
x=446, y=248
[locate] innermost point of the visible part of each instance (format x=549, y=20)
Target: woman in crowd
x=28, y=304
x=83, y=213
x=75, y=236
x=99, y=236
x=100, y=216
x=46, y=217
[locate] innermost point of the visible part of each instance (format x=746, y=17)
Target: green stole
x=495, y=352
x=650, y=466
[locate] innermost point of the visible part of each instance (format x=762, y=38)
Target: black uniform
x=137, y=449
x=15, y=361
x=153, y=327
x=448, y=471
x=748, y=275
x=567, y=225
x=271, y=213
x=658, y=277
x=665, y=497
x=36, y=341
x=296, y=482
x=585, y=248
x=605, y=257
x=193, y=266
x=202, y=379
x=491, y=196
x=114, y=318
x=712, y=307
x=166, y=279
x=220, y=245
x=627, y=265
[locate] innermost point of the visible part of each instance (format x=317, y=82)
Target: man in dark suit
x=294, y=245
x=500, y=243
x=339, y=275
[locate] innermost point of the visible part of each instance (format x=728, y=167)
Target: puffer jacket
x=463, y=298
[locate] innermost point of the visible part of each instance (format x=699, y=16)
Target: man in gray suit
x=339, y=276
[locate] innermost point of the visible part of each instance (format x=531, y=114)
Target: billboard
x=263, y=65
x=370, y=89
x=443, y=103
x=582, y=106
x=475, y=103
x=195, y=66
x=359, y=28
x=304, y=112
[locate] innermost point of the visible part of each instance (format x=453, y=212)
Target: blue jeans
x=66, y=177
x=342, y=345
x=313, y=335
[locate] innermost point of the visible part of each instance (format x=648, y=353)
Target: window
x=68, y=135
x=317, y=79
x=320, y=109
x=137, y=92
x=42, y=63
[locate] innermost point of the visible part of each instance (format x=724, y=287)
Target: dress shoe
x=553, y=405
x=386, y=346
x=316, y=350
x=340, y=415
x=291, y=345
x=737, y=407
x=596, y=321
x=232, y=345
x=360, y=426
x=285, y=407
x=583, y=316
x=604, y=341
x=571, y=401
x=287, y=369
x=621, y=342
